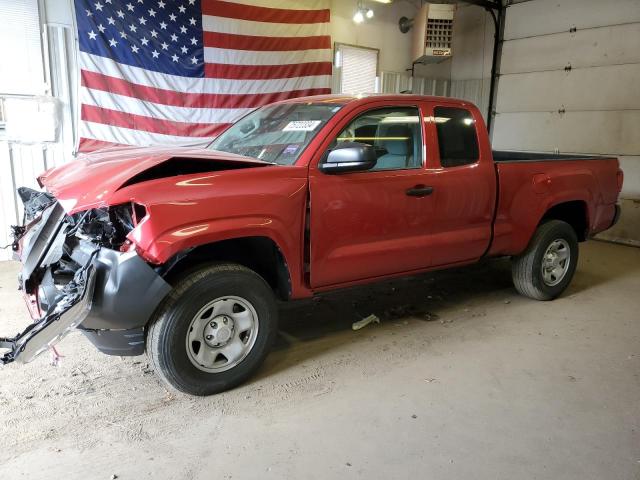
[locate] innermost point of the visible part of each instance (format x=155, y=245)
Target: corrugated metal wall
x=21, y=164
x=474, y=90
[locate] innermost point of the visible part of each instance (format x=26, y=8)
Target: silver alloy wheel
x=222, y=334
x=555, y=262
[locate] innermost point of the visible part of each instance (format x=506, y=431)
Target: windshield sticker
x=290, y=149
x=301, y=125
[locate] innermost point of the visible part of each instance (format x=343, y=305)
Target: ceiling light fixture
x=362, y=13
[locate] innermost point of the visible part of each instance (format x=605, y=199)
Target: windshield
x=276, y=133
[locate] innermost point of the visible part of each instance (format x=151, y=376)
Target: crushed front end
x=81, y=271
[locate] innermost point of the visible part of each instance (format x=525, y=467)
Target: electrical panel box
x=433, y=33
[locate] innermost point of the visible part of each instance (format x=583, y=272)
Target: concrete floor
x=463, y=379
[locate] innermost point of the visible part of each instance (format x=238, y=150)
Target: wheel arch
x=258, y=253
x=573, y=212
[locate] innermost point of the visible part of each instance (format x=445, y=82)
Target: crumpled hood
x=92, y=179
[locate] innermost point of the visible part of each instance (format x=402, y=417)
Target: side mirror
x=349, y=157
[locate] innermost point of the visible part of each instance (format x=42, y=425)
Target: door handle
x=419, y=191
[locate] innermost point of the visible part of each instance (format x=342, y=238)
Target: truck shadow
x=308, y=328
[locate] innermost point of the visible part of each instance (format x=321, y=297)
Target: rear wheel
x=545, y=269
x=214, y=329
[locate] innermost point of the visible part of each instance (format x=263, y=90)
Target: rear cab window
x=457, y=136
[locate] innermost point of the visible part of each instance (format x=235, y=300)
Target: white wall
x=469, y=68
x=381, y=32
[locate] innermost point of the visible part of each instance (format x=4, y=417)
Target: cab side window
x=457, y=137
x=394, y=133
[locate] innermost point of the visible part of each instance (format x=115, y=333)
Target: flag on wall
x=179, y=71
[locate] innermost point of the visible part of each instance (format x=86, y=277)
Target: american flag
x=178, y=72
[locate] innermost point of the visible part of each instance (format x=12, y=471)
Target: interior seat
x=398, y=141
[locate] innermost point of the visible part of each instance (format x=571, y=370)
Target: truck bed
x=531, y=184
x=503, y=156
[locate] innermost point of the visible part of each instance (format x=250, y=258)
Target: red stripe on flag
x=91, y=145
x=161, y=96
x=263, y=44
x=266, y=72
x=115, y=118
x=240, y=11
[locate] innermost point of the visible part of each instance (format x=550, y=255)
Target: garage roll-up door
x=570, y=80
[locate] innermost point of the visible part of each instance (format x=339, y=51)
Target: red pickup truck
x=184, y=252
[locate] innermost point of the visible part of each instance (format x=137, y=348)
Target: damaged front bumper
x=69, y=281
x=67, y=314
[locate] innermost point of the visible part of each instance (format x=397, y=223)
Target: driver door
x=373, y=223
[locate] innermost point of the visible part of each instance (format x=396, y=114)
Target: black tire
x=166, y=337
x=527, y=269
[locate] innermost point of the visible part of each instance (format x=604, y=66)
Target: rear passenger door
x=463, y=179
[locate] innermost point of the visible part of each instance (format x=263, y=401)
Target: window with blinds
x=21, y=68
x=358, y=69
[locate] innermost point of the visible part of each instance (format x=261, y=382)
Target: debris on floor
x=55, y=357
x=402, y=311
x=429, y=317
x=365, y=321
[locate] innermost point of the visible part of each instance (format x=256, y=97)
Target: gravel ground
x=462, y=379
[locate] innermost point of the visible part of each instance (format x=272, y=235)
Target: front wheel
x=214, y=329
x=545, y=269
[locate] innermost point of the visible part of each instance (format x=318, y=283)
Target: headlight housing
x=110, y=226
